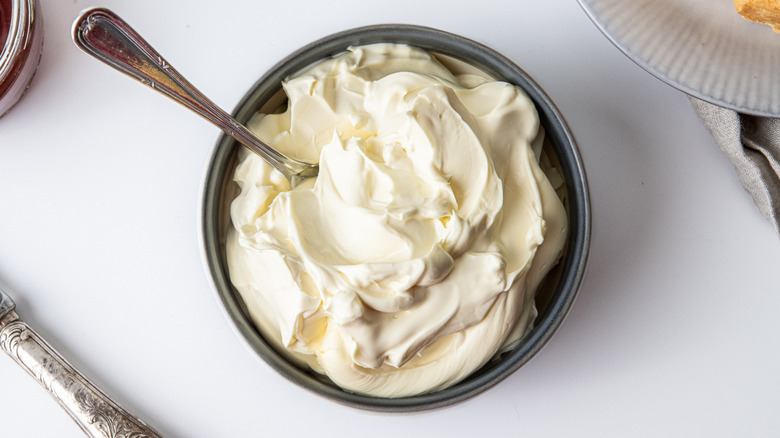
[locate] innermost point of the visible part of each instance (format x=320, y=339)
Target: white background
x=675, y=331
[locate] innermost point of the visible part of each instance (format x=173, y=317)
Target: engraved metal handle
x=96, y=414
x=105, y=36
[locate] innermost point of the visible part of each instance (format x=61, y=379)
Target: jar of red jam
x=21, y=39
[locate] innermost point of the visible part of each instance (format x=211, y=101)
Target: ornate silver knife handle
x=96, y=414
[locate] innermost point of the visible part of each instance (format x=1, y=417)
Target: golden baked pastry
x=761, y=11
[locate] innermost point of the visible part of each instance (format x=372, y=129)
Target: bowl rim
x=575, y=259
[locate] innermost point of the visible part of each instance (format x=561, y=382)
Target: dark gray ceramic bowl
x=561, y=285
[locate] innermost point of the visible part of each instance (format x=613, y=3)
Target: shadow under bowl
x=557, y=293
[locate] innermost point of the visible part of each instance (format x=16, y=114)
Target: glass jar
x=21, y=39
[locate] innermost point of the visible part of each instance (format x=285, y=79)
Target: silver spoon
x=108, y=38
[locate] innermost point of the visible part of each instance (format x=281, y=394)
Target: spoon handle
x=102, y=34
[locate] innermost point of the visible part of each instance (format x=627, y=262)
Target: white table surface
x=675, y=331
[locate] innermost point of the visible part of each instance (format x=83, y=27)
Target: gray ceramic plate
x=562, y=285
x=702, y=47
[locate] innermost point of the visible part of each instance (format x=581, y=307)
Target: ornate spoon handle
x=102, y=34
x=93, y=411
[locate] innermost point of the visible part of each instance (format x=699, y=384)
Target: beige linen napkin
x=752, y=144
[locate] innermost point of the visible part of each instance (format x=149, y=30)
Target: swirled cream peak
x=415, y=255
